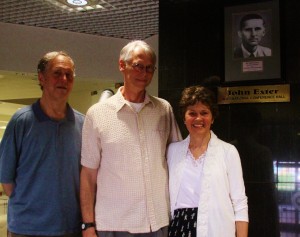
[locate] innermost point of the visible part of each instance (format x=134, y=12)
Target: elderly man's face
x=252, y=32
x=58, y=78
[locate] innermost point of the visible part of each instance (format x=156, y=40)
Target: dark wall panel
x=267, y=135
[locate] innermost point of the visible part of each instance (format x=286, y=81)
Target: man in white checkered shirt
x=124, y=178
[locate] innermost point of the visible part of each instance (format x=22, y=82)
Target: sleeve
x=170, y=153
x=9, y=154
x=175, y=134
x=91, y=145
x=236, y=183
x=170, y=160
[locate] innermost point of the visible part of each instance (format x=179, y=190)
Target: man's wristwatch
x=84, y=226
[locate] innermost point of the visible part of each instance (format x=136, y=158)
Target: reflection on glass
x=287, y=175
x=258, y=172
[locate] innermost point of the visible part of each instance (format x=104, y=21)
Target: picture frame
x=256, y=26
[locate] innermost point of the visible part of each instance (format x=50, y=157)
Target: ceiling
x=127, y=19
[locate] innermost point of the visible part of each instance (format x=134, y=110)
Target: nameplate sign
x=254, y=94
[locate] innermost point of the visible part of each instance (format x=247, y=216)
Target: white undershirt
x=189, y=191
x=136, y=106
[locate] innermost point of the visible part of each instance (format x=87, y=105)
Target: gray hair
x=48, y=57
x=42, y=65
x=126, y=52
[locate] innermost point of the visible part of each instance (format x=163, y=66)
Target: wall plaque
x=254, y=94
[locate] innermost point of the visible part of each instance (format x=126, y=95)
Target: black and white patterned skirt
x=184, y=223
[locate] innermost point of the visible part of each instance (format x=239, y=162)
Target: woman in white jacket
x=207, y=191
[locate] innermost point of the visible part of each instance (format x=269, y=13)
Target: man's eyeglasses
x=141, y=68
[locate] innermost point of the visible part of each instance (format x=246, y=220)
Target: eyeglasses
x=141, y=68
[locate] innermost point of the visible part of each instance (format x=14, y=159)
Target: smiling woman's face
x=198, y=119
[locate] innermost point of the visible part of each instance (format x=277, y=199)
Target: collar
x=121, y=102
x=42, y=117
x=246, y=53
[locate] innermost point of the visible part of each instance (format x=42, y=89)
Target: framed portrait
x=252, y=43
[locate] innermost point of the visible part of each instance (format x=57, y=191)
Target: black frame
x=265, y=70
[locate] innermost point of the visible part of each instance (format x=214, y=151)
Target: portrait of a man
x=252, y=42
x=251, y=31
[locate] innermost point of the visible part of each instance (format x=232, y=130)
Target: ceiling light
x=77, y=2
x=77, y=5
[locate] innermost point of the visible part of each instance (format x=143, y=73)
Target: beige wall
x=96, y=58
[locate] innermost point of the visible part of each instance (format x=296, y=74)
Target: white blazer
x=222, y=198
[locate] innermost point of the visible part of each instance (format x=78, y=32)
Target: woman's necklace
x=197, y=161
x=197, y=152
x=197, y=148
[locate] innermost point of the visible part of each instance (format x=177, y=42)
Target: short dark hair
x=195, y=94
x=250, y=16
